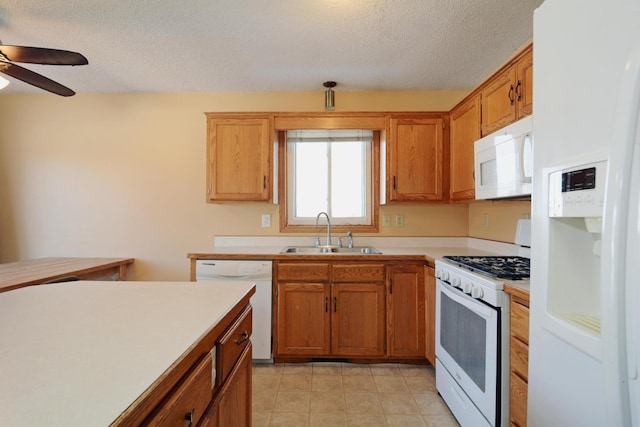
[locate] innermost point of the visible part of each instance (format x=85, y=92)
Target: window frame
x=283, y=190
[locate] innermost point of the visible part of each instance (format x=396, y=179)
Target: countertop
x=79, y=353
x=18, y=274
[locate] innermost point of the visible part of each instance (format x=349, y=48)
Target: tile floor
x=345, y=394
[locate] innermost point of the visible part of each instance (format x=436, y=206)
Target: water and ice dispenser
x=576, y=197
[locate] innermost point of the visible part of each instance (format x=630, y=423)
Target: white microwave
x=504, y=162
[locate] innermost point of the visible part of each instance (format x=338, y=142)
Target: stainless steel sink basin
x=328, y=250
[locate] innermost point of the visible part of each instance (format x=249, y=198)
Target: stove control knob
x=455, y=282
x=467, y=288
x=445, y=276
x=477, y=293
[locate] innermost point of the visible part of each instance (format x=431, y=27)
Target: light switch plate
x=399, y=220
x=386, y=220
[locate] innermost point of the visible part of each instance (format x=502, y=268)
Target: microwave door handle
x=524, y=141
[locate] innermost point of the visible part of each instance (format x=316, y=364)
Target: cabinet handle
x=510, y=95
x=335, y=304
x=264, y=182
x=189, y=417
x=518, y=93
x=394, y=182
x=245, y=337
x=390, y=286
x=326, y=304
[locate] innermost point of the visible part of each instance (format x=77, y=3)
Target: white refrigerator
x=585, y=260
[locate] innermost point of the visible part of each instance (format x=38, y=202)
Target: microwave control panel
x=578, y=191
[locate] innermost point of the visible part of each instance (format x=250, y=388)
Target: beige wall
x=123, y=175
x=497, y=220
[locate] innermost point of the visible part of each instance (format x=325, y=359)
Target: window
x=330, y=171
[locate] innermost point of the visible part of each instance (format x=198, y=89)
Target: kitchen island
x=124, y=353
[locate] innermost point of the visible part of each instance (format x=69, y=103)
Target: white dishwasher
x=258, y=273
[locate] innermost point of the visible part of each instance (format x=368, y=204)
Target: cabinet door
x=465, y=130
x=499, y=101
x=524, y=85
x=239, y=159
x=234, y=401
x=414, y=155
x=430, y=314
x=303, y=323
x=357, y=319
x=406, y=310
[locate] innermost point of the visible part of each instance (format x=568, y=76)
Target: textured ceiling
x=269, y=45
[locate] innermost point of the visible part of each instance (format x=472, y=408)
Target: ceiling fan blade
x=41, y=55
x=35, y=79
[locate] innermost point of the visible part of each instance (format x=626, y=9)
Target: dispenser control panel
x=578, y=191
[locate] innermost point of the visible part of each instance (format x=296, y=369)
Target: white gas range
x=472, y=335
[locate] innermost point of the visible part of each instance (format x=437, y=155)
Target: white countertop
x=79, y=353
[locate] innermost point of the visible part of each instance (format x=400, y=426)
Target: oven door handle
x=471, y=304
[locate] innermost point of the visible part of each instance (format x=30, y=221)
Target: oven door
x=467, y=346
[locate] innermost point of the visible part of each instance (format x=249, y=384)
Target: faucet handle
x=316, y=241
x=339, y=242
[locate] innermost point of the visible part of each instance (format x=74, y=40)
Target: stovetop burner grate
x=501, y=267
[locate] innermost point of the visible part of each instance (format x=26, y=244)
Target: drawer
x=520, y=321
x=232, y=343
x=357, y=273
x=519, y=357
x=303, y=271
x=518, y=402
x=189, y=401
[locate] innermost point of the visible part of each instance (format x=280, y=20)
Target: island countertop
x=82, y=353
x=14, y=275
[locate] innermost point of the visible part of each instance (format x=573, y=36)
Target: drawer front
x=231, y=345
x=518, y=401
x=318, y=272
x=520, y=321
x=357, y=273
x=519, y=357
x=188, y=403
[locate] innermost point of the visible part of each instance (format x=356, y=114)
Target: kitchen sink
x=329, y=250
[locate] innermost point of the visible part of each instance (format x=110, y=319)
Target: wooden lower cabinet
x=232, y=406
x=405, y=310
x=519, y=358
x=349, y=310
x=430, y=314
x=357, y=319
x=303, y=324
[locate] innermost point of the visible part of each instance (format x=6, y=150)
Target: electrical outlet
x=386, y=220
x=399, y=220
x=266, y=220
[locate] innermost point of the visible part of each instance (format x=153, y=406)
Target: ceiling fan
x=38, y=55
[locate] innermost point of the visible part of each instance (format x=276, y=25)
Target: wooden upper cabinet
x=415, y=159
x=239, y=153
x=465, y=130
x=524, y=84
x=508, y=96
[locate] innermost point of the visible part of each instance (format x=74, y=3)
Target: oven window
x=463, y=335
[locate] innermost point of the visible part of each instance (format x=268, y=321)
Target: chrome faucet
x=328, y=226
